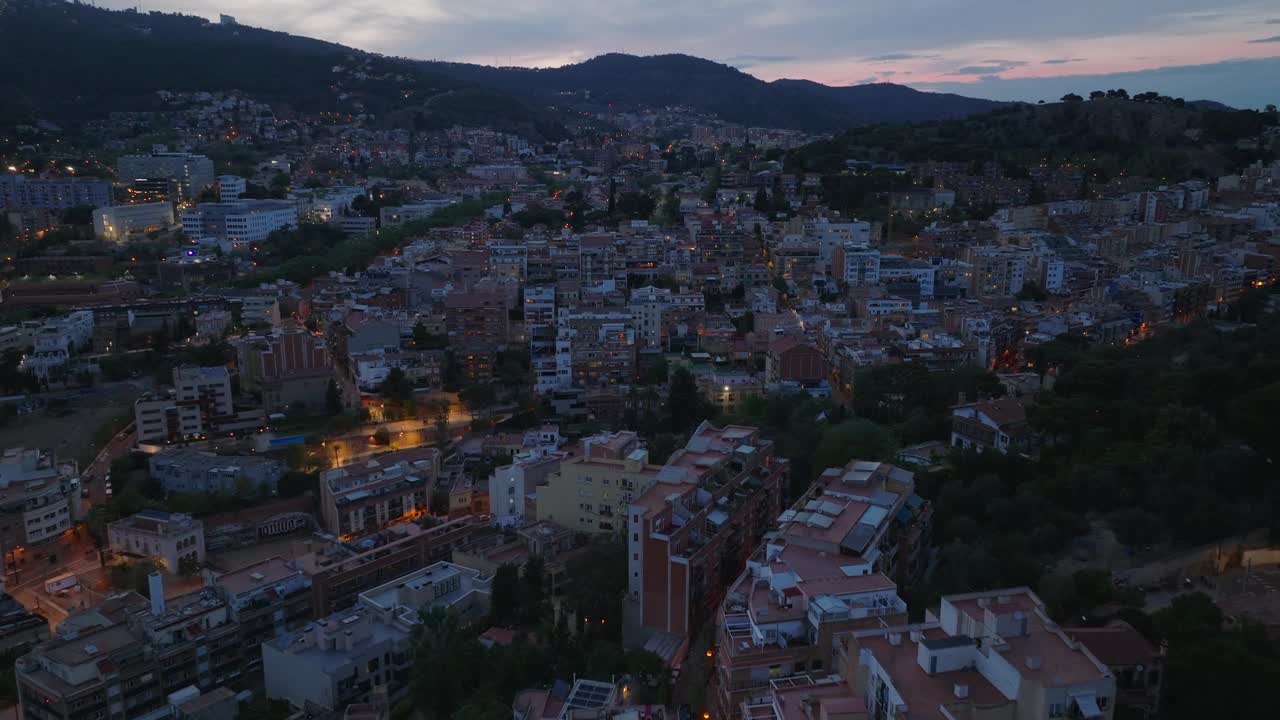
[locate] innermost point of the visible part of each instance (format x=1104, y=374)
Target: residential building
x=782, y=618
x=729, y=390
x=125, y=657
x=867, y=511
x=511, y=486
x=342, y=569
x=595, y=349
x=265, y=599
x=594, y=487
x=199, y=405
x=191, y=173
x=175, y=539
x=231, y=225
x=1138, y=665
x=691, y=532
x=18, y=192
x=462, y=591
x=123, y=223
x=994, y=653
x=196, y=471
x=369, y=495
x=995, y=272
x=39, y=497
x=353, y=654
x=990, y=425
x=476, y=321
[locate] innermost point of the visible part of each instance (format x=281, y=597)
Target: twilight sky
x=1226, y=50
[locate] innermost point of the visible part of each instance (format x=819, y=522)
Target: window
x=1056, y=710
x=1102, y=702
x=817, y=664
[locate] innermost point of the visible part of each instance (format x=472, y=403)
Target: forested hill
x=1146, y=134
x=67, y=61
x=621, y=81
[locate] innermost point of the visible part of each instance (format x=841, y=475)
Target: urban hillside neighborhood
x=372, y=389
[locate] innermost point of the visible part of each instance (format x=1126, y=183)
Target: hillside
x=1118, y=135
x=625, y=81
x=69, y=62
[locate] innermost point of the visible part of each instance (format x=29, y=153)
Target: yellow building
x=593, y=489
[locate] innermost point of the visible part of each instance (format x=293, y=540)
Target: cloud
x=896, y=57
x=1272, y=22
x=1239, y=83
x=746, y=61
x=988, y=67
x=1062, y=61
x=1272, y=39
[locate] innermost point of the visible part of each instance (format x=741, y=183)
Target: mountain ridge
x=71, y=61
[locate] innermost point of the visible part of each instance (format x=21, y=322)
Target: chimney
x=895, y=638
x=155, y=587
x=961, y=690
x=1033, y=662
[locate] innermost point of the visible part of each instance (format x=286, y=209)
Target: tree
x=396, y=387
x=382, y=436
x=1097, y=95
x=1071, y=98
x=685, y=404
x=505, y=597
x=294, y=483
x=479, y=397
x=613, y=195
x=533, y=601
x=856, y=438
x=332, y=398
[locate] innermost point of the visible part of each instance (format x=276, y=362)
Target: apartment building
x=346, y=657
x=122, y=223
x=265, y=599
x=999, y=425
x=856, y=265
x=476, y=322
x=995, y=272
x=181, y=470
x=463, y=591
x=511, y=486
x=371, y=494
x=782, y=617
x=175, y=539
x=595, y=486
x=200, y=404
x=595, y=349
x=864, y=510
x=342, y=569
x=39, y=497
x=190, y=173
x=994, y=653
x=18, y=192
x=125, y=657
x=690, y=534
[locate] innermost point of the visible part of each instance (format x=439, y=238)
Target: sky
x=1228, y=50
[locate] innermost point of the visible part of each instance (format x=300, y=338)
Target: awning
x=1087, y=705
